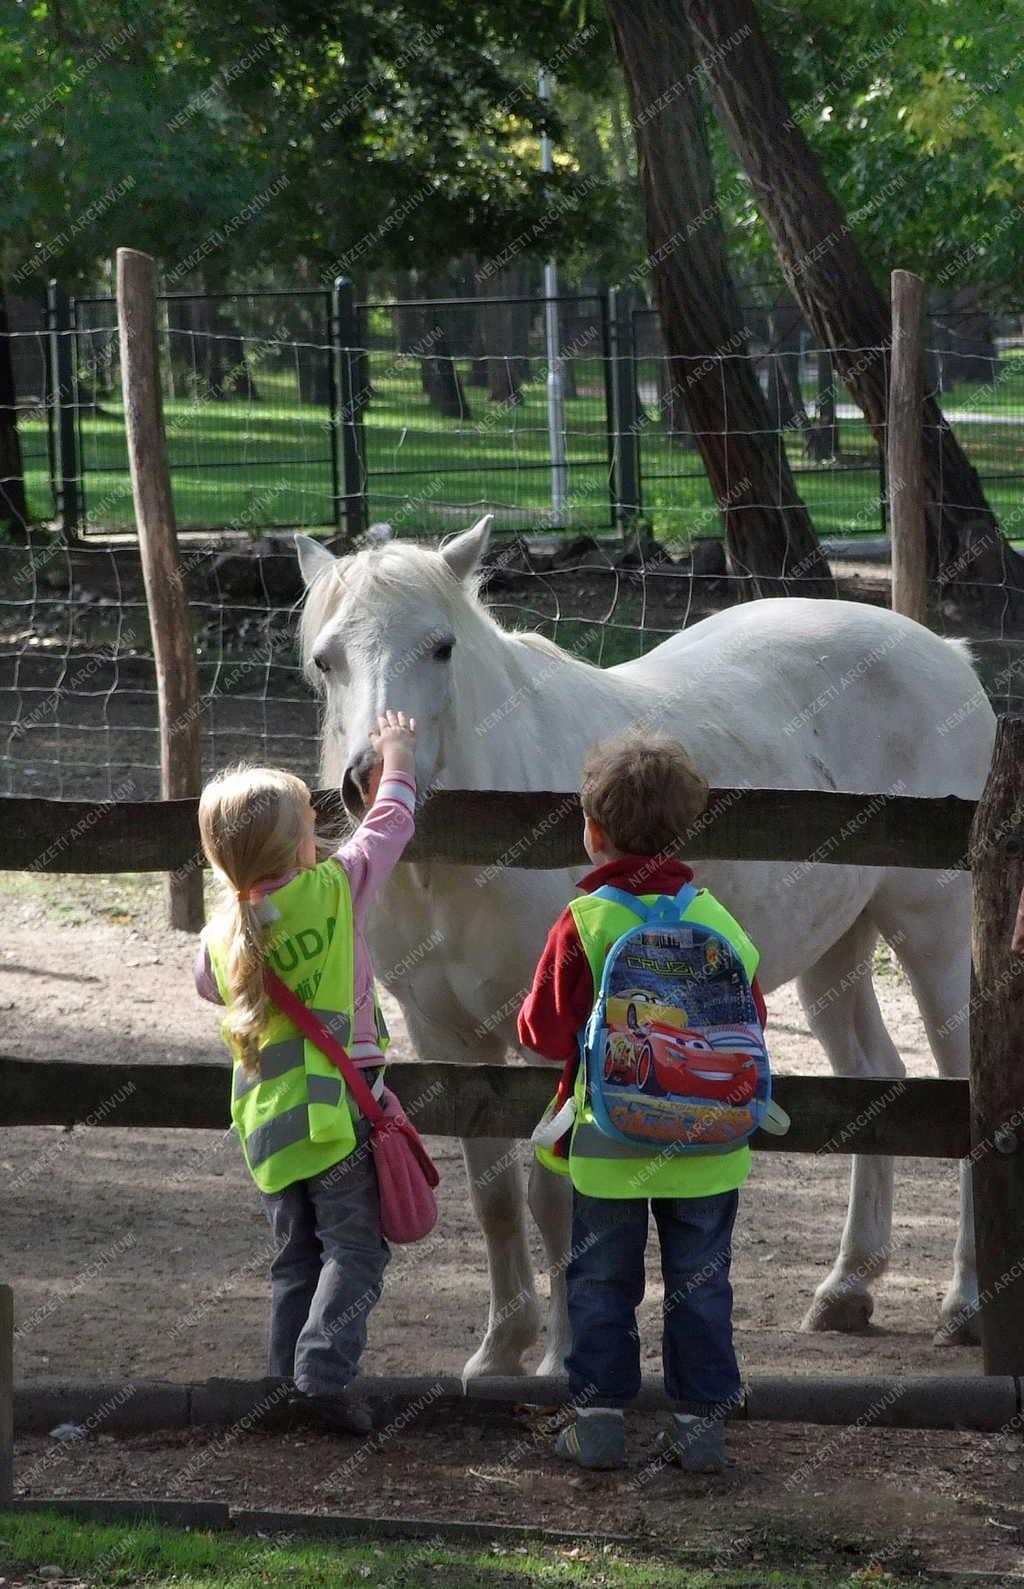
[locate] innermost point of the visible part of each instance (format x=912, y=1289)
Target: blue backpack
x=674, y=1048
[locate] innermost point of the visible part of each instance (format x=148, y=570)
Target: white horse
x=774, y=694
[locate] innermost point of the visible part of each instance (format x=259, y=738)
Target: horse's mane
x=394, y=569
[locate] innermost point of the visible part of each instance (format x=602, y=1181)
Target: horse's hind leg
x=496, y=1192
x=840, y=1005
x=551, y=1207
x=926, y=918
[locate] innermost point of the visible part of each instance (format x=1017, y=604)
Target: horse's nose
x=356, y=780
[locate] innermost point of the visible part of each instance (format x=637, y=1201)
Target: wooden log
x=905, y=449
x=997, y=1077
x=177, y=682
x=496, y=828
x=6, y=1395
x=831, y=1114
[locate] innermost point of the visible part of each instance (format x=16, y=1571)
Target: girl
x=305, y=1143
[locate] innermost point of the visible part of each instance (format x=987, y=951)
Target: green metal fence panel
x=249, y=400
x=456, y=416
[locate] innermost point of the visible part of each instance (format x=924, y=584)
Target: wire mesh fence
x=249, y=405
x=303, y=409
x=455, y=412
x=78, y=705
x=24, y=338
x=78, y=701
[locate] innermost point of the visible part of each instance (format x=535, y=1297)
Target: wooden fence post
x=6, y=1395
x=997, y=1076
x=176, y=678
x=905, y=449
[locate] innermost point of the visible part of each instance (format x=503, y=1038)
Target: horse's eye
x=318, y=662
x=443, y=652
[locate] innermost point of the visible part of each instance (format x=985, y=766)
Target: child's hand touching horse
x=394, y=740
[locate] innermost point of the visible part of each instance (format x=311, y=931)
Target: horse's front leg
x=551, y=1206
x=496, y=1192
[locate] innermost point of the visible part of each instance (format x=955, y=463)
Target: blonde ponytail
x=252, y=821
x=245, y=961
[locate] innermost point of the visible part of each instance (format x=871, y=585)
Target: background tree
x=768, y=531
x=827, y=274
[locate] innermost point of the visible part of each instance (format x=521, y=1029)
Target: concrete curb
x=219, y=1515
x=982, y=1403
x=111, y=1509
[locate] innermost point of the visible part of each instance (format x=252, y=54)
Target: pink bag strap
x=312, y=1027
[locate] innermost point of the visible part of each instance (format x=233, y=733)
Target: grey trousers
x=327, y=1271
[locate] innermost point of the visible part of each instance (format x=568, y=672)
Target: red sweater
x=563, y=993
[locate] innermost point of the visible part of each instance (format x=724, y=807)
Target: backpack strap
x=620, y=896
x=669, y=908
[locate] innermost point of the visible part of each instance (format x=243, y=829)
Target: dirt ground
x=878, y=1501
x=136, y=1255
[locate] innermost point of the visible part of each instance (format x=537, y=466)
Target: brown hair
x=643, y=790
x=252, y=821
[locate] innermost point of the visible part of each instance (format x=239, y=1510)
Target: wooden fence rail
x=495, y=829
x=503, y=828
x=831, y=1114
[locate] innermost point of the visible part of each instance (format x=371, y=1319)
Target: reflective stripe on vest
x=276, y=1059
x=324, y=1089
x=602, y=1167
x=284, y=1131
x=293, y=1115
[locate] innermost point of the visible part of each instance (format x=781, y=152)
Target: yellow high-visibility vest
x=294, y=1117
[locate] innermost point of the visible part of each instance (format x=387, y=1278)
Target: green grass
x=127, y=899
x=124, y=1554
x=251, y=465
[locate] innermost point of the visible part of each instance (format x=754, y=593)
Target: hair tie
x=244, y=895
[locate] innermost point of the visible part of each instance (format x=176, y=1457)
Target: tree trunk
x=821, y=439
x=675, y=421
x=437, y=337
x=785, y=399
x=13, y=502
x=768, y=532
x=969, y=349
x=500, y=364
x=825, y=272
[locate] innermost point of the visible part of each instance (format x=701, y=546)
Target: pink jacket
x=369, y=857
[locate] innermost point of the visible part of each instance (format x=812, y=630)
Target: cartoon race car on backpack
x=635, y=1007
x=722, y=1065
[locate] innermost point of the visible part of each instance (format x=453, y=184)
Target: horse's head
x=381, y=628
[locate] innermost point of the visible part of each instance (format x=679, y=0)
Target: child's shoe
x=697, y=1445
x=596, y=1439
x=339, y=1414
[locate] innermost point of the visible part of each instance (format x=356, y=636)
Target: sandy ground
x=136, y=1254
x=139, y=1256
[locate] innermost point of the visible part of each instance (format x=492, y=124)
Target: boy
x=639, y=792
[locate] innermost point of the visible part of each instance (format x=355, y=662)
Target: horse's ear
x=463, y=553
x=313, y=558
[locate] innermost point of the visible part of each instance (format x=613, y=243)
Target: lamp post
x=555, y=388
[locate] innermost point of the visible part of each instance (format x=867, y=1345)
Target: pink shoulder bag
x=406, y=1174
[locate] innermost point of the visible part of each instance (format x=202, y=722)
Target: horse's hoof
x=480, y=1366
x=552, y=1364
x=961, y=1328
x=491, y=1361
x=847, y=1311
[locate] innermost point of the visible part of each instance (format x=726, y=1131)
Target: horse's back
x=831, y=693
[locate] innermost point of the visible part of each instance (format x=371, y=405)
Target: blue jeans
x=605, y=1282
x=327, y=1272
